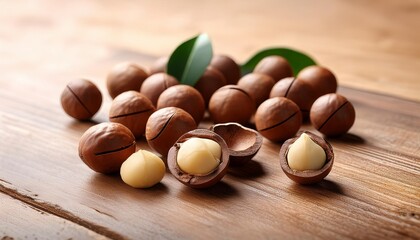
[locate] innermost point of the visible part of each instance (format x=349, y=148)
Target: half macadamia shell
x=243, y=143
x=196, y=180
x=307, y=176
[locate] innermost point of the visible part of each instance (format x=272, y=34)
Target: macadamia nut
x=124, y=77
x=322, y=80
x=81, y=99
x=305, y=154
x=199, y=156
x=276, y=67
x=332, y=114
x=105, y=146
x=142, y=169
x=165, y=126
x=231, y=103
x=228, y=67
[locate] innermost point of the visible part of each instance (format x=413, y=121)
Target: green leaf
x=190, y=59
x=297, y=60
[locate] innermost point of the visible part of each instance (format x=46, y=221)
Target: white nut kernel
x=142, y=169
x=305, y=154
x=213, y=147
x=199, y=156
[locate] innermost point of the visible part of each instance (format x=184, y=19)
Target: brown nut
x=332, y=114
x=105, y=146
x=81, y=99
x=165, y=126
x=159, y=66
x=228, y=67
x=243, y=143
x=131, y=109
x=278, y=119
x=199, y=180
x=307, y=176
x=275, y=66
x=124, y=77
x=184, y=97
x=257, y=85
x=154, y=85
x=299, y=92
x=231, y=104
x=211, y=80
x=320, y=78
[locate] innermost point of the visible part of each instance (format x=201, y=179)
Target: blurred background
x=371, y=45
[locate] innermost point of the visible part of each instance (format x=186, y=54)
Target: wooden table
x=46, y=192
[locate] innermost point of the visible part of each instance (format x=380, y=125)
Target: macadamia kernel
x=199, y=156
x=305, y=154
x=142, y=169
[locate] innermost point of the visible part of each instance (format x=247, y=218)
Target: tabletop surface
x=46, y=192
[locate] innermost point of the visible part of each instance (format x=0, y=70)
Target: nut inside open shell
x=195, y=180
x=307, y=176
x=243, y=143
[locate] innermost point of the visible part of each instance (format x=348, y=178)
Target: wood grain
x=17, y=222
x=369, y=45
x=373, y=191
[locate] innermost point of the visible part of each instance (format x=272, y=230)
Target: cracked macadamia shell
x=307, y=176
x=105, y=146
x=195, y=180
x=243, y=143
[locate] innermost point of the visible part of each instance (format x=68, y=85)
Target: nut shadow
x=221, y=190
x=347, y=138
x=250, y=170
x=331, y=186
x=250, y=125
x=306, y=122
x=156, y=190
x=326, y=188
x=100, y=184
x=206, y=117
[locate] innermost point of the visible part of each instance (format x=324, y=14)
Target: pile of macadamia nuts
x=155, y=105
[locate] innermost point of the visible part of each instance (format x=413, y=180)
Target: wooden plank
x=372, y=192
x=369, y=45
x=22, y=221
